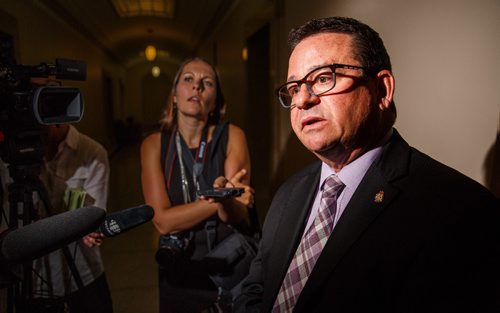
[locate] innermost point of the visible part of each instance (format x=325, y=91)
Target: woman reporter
x=193, y=150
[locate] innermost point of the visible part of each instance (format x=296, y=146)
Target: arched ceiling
x=124, y=38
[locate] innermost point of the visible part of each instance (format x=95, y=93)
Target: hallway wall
x=136, y=78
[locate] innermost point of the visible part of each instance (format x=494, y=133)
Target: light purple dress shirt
x=351, y=175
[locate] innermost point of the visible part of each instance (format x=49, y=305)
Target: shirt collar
x=352, y=173
x=71, y=139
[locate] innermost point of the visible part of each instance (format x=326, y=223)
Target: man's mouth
x=309, y=121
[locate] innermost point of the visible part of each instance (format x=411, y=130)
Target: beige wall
x=445, y=59
x=43, y=38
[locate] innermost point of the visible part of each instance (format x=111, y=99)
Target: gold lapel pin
x=379, y=196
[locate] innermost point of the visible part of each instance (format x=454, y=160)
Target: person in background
x=194, y=150
x=374, y=225
x=75, y=174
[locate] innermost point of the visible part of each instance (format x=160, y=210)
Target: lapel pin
x=379, y=196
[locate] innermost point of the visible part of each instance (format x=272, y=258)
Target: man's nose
x=305, y=98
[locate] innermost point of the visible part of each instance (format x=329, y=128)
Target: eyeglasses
x=319, y=81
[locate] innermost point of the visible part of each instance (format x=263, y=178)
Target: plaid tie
x=310, y=247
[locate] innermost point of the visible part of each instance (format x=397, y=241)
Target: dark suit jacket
x=430, y=245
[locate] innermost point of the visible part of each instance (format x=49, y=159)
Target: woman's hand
x=234, y=209
x=246, y=198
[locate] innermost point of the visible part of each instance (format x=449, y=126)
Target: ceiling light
x=127, y=8
x=150, y=53
x=155, y=71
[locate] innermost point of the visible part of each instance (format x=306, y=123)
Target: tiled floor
x=129, y=257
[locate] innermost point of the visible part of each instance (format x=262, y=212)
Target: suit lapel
x=373, y=195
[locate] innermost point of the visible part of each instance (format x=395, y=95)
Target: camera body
x=25, y=106
x=173, y=247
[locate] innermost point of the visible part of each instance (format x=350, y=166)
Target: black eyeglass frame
x=333, y=67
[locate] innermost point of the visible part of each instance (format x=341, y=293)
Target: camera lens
x=170, y=249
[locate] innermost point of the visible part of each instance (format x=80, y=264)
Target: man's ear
x=386, y=85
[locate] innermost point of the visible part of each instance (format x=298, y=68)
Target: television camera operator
x=72, y=172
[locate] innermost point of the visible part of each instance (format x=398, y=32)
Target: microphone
x=119, y=222
x=46, y=235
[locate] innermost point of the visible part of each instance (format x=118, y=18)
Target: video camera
x=25, y=106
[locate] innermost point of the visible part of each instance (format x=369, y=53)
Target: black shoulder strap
x=254, y=222
x=219, y=131
x=211, y=225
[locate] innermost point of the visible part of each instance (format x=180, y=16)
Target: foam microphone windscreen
x=48, y=234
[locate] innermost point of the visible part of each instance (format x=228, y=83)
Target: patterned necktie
x=310, y=247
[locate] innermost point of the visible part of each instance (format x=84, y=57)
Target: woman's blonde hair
x=169, y=119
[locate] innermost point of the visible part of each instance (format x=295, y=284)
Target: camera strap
x=184, y=182
x=196, y=163
x=171, y=149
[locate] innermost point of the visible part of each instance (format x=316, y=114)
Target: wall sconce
x=150, y=53
x=244, y=54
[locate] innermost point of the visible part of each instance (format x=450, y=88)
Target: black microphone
x=46, y=235
x=119, y=222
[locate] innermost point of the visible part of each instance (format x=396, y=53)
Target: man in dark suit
x=374, y=225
